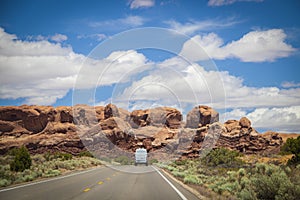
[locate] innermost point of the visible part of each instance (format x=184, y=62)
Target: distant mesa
x=101, y=129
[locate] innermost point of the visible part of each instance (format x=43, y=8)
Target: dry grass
x=275, y=159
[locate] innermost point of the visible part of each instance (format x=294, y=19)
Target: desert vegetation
x=292, y=146
x=227, y=174
x=19, y=166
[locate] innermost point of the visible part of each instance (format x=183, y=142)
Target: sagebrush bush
x=123, y=160
x=271, y=182
x=46, y=165
x=222, y=156
x=189, y=178
x=178, y=174
x=222, y=172
x=86, y=154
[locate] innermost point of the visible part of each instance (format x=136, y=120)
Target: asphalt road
x=103, y=183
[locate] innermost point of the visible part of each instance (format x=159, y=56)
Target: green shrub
x=4, y=182
x=171, y=168
x=271, y=182
x=292, y=146
x=48, y=156
x=21, y=160
x=192, y=179
x=123, y=160
x=66, y=156
x=178, y=174
x=38, y=158
x=181, y=162
x=86, y=154
x=222, y=156
x=51, y=173
x=246, y=194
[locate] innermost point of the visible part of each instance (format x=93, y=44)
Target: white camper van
x=141, y=156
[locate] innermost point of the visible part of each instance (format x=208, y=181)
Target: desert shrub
x=65, y=156
x=181, y=162
x=271, y=182
x=86, y=154
x=5, y=159
x=48, y=156
x=292, y=146
x=51, y=173
x=178, y=174
x=171, y=168
x=247, y=194
x=4, y=182
x=38, y=158
x=21, y=160
x=152, y=161
x=222, y=156
x=123, y=160
x=192, y=179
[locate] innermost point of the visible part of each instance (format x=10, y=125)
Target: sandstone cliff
x=111, y=129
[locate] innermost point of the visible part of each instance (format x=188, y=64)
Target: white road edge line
x=176, y=190
x=48, y=180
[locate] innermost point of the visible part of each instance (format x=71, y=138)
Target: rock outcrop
x=111, y=130
x=235, y=135
x=161, y=116
x=201, y=116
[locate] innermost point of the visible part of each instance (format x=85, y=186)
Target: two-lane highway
x=103, y=183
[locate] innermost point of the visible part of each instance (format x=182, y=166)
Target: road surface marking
x=87, y=189
x=176, y=190
x=107, y=178
x=48, y=180
x=100, y=182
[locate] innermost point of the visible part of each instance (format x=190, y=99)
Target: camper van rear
x=141, y=156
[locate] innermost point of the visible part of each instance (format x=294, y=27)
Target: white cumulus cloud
x=42, y=72
x=255, y=46
x=135, y=4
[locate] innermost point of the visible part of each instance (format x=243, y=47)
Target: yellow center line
x=100, y=182
x=87, y=189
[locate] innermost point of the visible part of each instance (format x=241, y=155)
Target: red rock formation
x=201, y=116
x=235, y=135
x=110, y=129
x=161, y=116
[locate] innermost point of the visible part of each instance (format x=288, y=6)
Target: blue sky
x=51, y=51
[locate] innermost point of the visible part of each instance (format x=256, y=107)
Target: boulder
x=159, y=117
x=138, y=118
x=245, y=122
x=111, y=110
x=201, y=116
x=173, y=118
x=231, y=125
